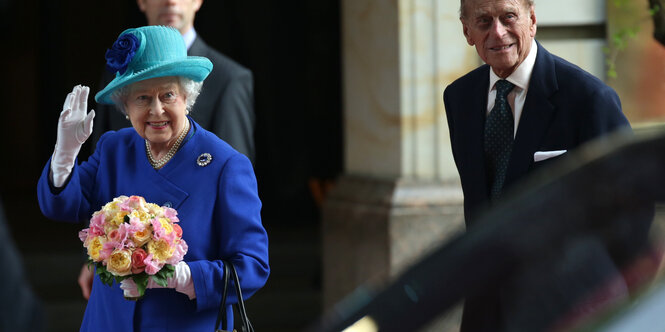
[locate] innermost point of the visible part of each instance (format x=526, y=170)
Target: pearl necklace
x=157, y=164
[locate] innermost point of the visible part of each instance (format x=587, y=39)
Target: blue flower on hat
x=121, y=53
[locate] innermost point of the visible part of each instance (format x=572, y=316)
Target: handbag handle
x=240, y=306
x=221, y=315
x=230, y=272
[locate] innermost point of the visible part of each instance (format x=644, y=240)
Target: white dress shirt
x=189, y=37
x=520, y=77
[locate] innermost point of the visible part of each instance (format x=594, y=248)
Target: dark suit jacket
x=564, y=108
x=224, y=107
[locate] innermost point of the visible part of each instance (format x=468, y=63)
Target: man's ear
x=465, y=30
x=197, y=5
x=141, y=4
x=532, y=16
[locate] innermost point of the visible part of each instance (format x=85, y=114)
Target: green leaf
x=119, y=279
x=653, y=11
x=91, y=264
x=159, y=279
x=141, y=281
x=105, y=276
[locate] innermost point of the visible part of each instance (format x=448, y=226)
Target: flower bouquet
x=130, y=238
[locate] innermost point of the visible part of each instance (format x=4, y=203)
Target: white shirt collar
x=521, y=76
x=189, y=37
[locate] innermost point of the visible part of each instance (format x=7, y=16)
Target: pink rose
x=138, y=260
x=178, y=230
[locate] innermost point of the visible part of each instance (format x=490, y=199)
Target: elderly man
x=522, y=108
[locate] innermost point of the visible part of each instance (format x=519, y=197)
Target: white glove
x=129, y=288
x=181, y=281
x=74, y=128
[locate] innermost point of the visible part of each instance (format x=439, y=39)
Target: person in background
x=170, y=160
x=20, y=308
x=224, y=107
x=523, y=108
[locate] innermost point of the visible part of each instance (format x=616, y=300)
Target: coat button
x=168, y=204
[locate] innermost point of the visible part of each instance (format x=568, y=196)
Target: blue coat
x=219, y=211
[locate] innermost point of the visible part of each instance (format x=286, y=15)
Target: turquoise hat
x=148, y=52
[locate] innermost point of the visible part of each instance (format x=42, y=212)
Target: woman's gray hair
x=191, y=88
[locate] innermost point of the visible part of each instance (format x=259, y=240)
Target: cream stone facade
x=400, y=196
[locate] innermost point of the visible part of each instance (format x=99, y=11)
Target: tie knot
x=503, y=88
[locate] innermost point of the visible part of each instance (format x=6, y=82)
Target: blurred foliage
x=627, y=24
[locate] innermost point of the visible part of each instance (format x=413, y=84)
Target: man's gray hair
x=461, y=7
x=191, y=88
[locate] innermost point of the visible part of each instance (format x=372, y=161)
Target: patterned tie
x=499, y=138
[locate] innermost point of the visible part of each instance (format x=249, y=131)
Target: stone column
x=400, y=194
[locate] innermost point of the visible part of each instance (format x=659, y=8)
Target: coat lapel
x=198, y=47
x=475, y=131
x=157, y=183
x=536, y=115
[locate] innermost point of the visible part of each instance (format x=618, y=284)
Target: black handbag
x=230, y=272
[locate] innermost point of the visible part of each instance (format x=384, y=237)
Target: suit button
x=168, y=204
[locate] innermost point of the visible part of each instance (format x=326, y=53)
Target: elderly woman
x=169, y=160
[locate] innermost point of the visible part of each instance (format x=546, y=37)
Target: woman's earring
x=127, y=117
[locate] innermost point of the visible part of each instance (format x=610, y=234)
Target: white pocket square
x=544, y=155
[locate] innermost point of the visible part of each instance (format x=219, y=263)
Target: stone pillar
x=579, y=35
x=400, y=194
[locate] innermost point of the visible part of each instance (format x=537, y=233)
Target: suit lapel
x=198, y=47
x=536, y=115
x=475, y=130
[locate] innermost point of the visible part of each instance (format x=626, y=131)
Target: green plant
x=628, y=24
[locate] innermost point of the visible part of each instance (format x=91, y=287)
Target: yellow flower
x=142, y=237
x=139, y=215
x=120, y=262
x=119, y=218
x=95, y=246
x=160, y=250
x=154, y=209
x=166, y=225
